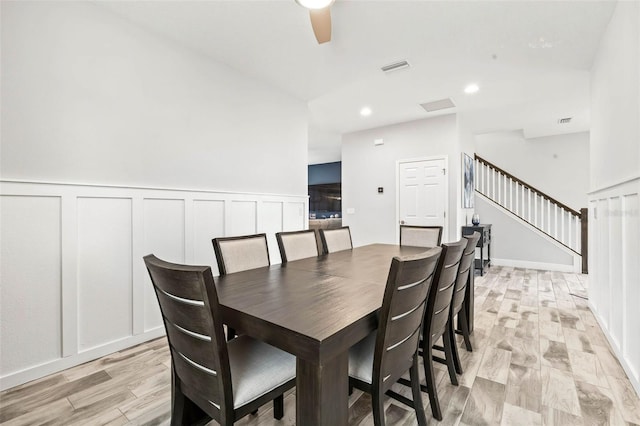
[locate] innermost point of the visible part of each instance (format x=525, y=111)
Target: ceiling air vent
x=395, y=66
x=438, y=105
x=565, y=120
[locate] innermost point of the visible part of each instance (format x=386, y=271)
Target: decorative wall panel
x=104, y=271
x=614, y=256
x=30, y=292
x=73, y=284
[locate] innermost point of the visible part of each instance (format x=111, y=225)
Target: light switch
x=351, y=210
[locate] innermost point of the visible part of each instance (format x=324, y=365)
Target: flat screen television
x=325, y=200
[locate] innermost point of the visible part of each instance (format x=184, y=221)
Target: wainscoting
x=614, y=259
x=74, y=286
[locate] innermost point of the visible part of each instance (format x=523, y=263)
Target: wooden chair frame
x=405, y=299
x=188, y=300
x=458, y=304
x=439, y=228
x=218, y=250
x=325, y=248
x=281, y=244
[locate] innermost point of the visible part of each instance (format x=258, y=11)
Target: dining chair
x=297, y=245
x=458, y=303
x=337, y=239
x=420, y=236
x=436, y=321
x=210, y=377
x=380, y=359
x=235, y=254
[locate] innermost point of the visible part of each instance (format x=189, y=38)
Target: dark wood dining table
x=315, y=309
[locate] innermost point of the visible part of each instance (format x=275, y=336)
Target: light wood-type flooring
x=539, y=358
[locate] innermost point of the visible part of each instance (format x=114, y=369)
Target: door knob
x=402, y=222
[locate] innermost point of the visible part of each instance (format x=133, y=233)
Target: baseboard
x=532, y=265
x=635, y=382
x=54, y=366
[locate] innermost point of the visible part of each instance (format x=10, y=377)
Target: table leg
x=322, y=392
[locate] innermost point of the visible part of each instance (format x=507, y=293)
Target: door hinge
x=444, y=171
x=444, y=214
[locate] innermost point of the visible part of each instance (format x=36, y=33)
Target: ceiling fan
x=320, y=14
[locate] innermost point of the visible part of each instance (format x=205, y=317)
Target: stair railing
x=557, y=220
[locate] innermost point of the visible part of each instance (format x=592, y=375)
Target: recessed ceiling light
x=315, y=4
x=365, y=112
x=471, y=88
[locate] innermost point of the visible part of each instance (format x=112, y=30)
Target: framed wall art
x=467, y=182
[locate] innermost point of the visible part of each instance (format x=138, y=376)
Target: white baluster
x=535, y=209
x=493, y=184
x=548, y=217
x=562, y=213
x=510, y=194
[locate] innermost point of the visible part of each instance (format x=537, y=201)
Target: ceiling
x=531, y=59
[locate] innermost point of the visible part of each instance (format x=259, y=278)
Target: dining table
x=316, y=309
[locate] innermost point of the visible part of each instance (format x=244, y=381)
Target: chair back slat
x=402, y=314
x=193, y=347
x=235, y=254
x=190, y=311
x=337, y=239
x=202, y=381
x=466, y=268
x=180, y=282
x=191, y=317
x=420, y=236
x=297, y=245
x=441, y=293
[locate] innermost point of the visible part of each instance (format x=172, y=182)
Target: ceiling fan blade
x=321, y=23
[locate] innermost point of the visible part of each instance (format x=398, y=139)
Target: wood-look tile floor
x=539, y=358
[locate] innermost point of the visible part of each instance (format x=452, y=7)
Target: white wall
x=557, y=165
x=89, y=98
x=467, y=143
x=324, y=146
x=159, y=150
x=614, y=200
x=366, y=167
x=615, y=101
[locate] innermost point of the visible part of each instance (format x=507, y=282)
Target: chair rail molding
x=74, y=286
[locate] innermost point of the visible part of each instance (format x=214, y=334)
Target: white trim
x=631, y=375
x=147, y=188
x=38, y=371
x=514, y=263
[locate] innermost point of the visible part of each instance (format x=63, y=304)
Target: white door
x=422, y=193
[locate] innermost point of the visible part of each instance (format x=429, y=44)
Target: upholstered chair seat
x=257, y=368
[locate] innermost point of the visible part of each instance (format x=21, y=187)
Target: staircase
x=557, y=221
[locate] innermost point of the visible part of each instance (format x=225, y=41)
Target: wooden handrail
x=542, y=194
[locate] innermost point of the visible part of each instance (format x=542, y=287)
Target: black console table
x=484, y=241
